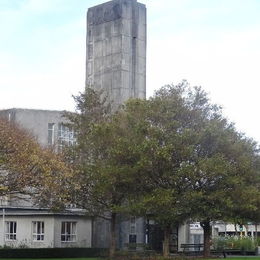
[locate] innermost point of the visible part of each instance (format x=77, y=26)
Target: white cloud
x=225, y=64
x=209, y=43
x=51, y=89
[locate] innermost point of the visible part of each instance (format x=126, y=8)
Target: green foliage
x=171, y=157
x=99, y=184
x=141, y=255
x=240, y=243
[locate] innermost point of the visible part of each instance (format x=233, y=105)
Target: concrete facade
x=127, y=229
x=116, y=50
x=35, y=122
x=131, y=229
x=83, y=231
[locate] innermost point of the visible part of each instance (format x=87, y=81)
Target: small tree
x=26, y=168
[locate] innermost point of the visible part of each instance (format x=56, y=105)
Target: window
x=38, y=231
x=132, y=233
x=132, y=240
x=197, y=238
x=132, y=225
x=10, y=230
x=68, y=231
x=65, y=136
x=51, y=134
x=4, y=200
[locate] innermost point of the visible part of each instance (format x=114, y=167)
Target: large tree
x=170, y=122
x=127, y=160
x=171, y=157
x=191, y=159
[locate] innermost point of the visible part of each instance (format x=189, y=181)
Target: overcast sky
x=211, y=43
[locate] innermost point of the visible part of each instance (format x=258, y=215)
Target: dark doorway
x=155, y=238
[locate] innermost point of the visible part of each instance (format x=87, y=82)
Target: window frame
x=10, y=235
x=66, y=136
x=51, y=132
x=132, y=225
x=68, y=231
x=38, y=226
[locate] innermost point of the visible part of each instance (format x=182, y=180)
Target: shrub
x=240, y=243
x=52, y=252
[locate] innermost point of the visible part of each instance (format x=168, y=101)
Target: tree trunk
x=256, y=233
x=166, y=241
x=112, y=248
x=236, y=233
x=207, y=232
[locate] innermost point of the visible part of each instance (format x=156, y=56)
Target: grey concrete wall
x=101, y=232
x=124, y=232
x=34, y=121
x=83, y=231
x=116, y=50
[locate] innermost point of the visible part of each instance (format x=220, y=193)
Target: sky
x=214, y=44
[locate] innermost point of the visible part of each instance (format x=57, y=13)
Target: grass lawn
x=238, y=258
x=231, y=258
x=53, y=258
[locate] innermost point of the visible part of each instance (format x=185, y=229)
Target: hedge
x=69, y=252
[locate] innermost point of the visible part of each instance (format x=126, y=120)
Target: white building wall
x=24, y=229
x=52, y=231
x=227, y=227
x=183, y=235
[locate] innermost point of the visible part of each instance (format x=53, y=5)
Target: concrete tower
x=116, y=50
